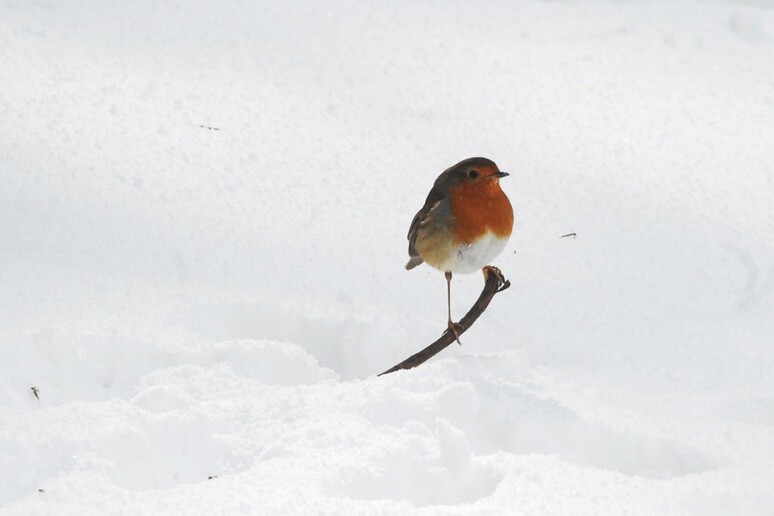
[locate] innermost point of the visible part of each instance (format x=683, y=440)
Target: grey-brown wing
x=434, y=198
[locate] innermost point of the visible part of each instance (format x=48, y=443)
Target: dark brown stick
x=494, y=282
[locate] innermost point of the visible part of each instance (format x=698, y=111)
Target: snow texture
x=203, y=213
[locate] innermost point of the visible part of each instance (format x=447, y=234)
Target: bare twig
x=494, y=282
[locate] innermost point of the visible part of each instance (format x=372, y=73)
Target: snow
x=203, y=212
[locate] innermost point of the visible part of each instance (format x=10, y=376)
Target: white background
x=193, y=302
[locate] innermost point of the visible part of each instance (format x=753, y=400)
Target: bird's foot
x=456, y=329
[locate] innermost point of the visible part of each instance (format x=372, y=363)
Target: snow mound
x=203, y=212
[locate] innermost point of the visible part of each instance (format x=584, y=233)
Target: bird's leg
x=448, y=275
x=452, y=326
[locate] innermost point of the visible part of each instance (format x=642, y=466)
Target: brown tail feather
x=413, y=262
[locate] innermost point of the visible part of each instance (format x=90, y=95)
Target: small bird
x=465, y=222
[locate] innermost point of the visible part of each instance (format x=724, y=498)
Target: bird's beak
x=502, y=174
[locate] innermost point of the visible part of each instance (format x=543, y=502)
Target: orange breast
x=478, y=208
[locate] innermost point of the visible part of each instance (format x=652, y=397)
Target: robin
x=465, y=222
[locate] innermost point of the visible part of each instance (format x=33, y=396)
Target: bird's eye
x=472, y=174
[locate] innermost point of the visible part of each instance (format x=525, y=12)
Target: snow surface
x=203, y=210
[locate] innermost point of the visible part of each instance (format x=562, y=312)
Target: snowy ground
x=196, y=303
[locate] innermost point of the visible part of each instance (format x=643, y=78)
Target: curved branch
x=494, y=282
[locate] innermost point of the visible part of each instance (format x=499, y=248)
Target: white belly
x=472, y=257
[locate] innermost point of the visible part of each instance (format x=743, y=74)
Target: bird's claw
x=456, y=329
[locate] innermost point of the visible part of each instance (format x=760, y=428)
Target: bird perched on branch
x=465, y=222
